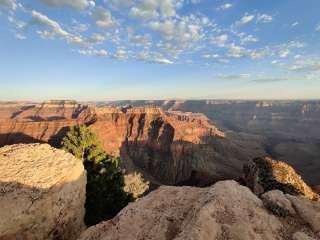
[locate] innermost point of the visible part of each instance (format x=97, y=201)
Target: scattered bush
x=135, y=184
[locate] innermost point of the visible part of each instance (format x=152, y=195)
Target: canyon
x=193, y=142
x=225, y=185
x=286, y=130
x=167, y=147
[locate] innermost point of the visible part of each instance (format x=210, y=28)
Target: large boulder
x=42, y=193
x=266, y=174
x=225, y=210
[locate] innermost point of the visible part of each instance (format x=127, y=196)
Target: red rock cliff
x=168, y=147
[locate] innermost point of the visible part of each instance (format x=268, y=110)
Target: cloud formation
x=11, y=4
x=225, y=6
x=74, y=4
x=154, y=31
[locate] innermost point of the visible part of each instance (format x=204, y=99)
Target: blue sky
x=159, y=49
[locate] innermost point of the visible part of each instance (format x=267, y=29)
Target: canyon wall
x=289, y=129
x=168, y=147
x=42, y=193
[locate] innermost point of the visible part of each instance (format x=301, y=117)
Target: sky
x=92, y=50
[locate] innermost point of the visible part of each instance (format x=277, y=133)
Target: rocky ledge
x=42, y=193
x=225, y=210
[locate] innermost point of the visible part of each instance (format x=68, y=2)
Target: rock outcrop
x=265, y=174
x=167, y=147
x=42, y=193
x=225, y=210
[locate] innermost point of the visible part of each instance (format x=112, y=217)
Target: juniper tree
x=105, y=196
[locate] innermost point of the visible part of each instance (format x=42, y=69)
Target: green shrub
x=105, y=196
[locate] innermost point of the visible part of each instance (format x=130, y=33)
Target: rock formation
x=167, y=147
x=290, y=128
x=225, y=210
x=265, y=174
x=45, y=122
x=42, y=193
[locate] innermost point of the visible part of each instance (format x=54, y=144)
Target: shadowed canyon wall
x=289, y=129
x=167, y=147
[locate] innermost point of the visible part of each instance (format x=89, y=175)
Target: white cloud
x=183, y=31
x=162, y=61
x=242, y=76
x=143, y=14
x=237, y=51
x=258, y=54
x=20, y=25
x=52, y=28
x=11, y=4
x=294, y=24
x=43, y=20
x=211, y=56
x=284, y=53
x=121, y=54
x=260, y=18
x=151, y=9
x=75, y=4
x=79, y=27
x=244, y=38
x=264, y=18
x=225, y=6
x=306, y=65
x=294, y=44
x=20, y=36
x=139, y=40
x=153, y=58
x=219, y=41
x=90, y=52
x=97, y=38
x=245, y=19
x=103, y=17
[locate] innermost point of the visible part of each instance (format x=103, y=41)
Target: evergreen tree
x=83, y=144
x=105, y=181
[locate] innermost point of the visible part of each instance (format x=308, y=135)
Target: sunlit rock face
x=171, y=147
x=40, y=122
x=266, y=174
x=225, y=210
x=42, y=193
x=290, y=128
x=168, y=147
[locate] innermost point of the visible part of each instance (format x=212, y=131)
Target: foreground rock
x=42, y=193
x=265, y=174
x=224, y=211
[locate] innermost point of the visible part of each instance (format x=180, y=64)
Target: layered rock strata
x=172, y=147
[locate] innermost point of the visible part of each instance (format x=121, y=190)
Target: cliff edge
x=225, y=210
x=42, y=193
